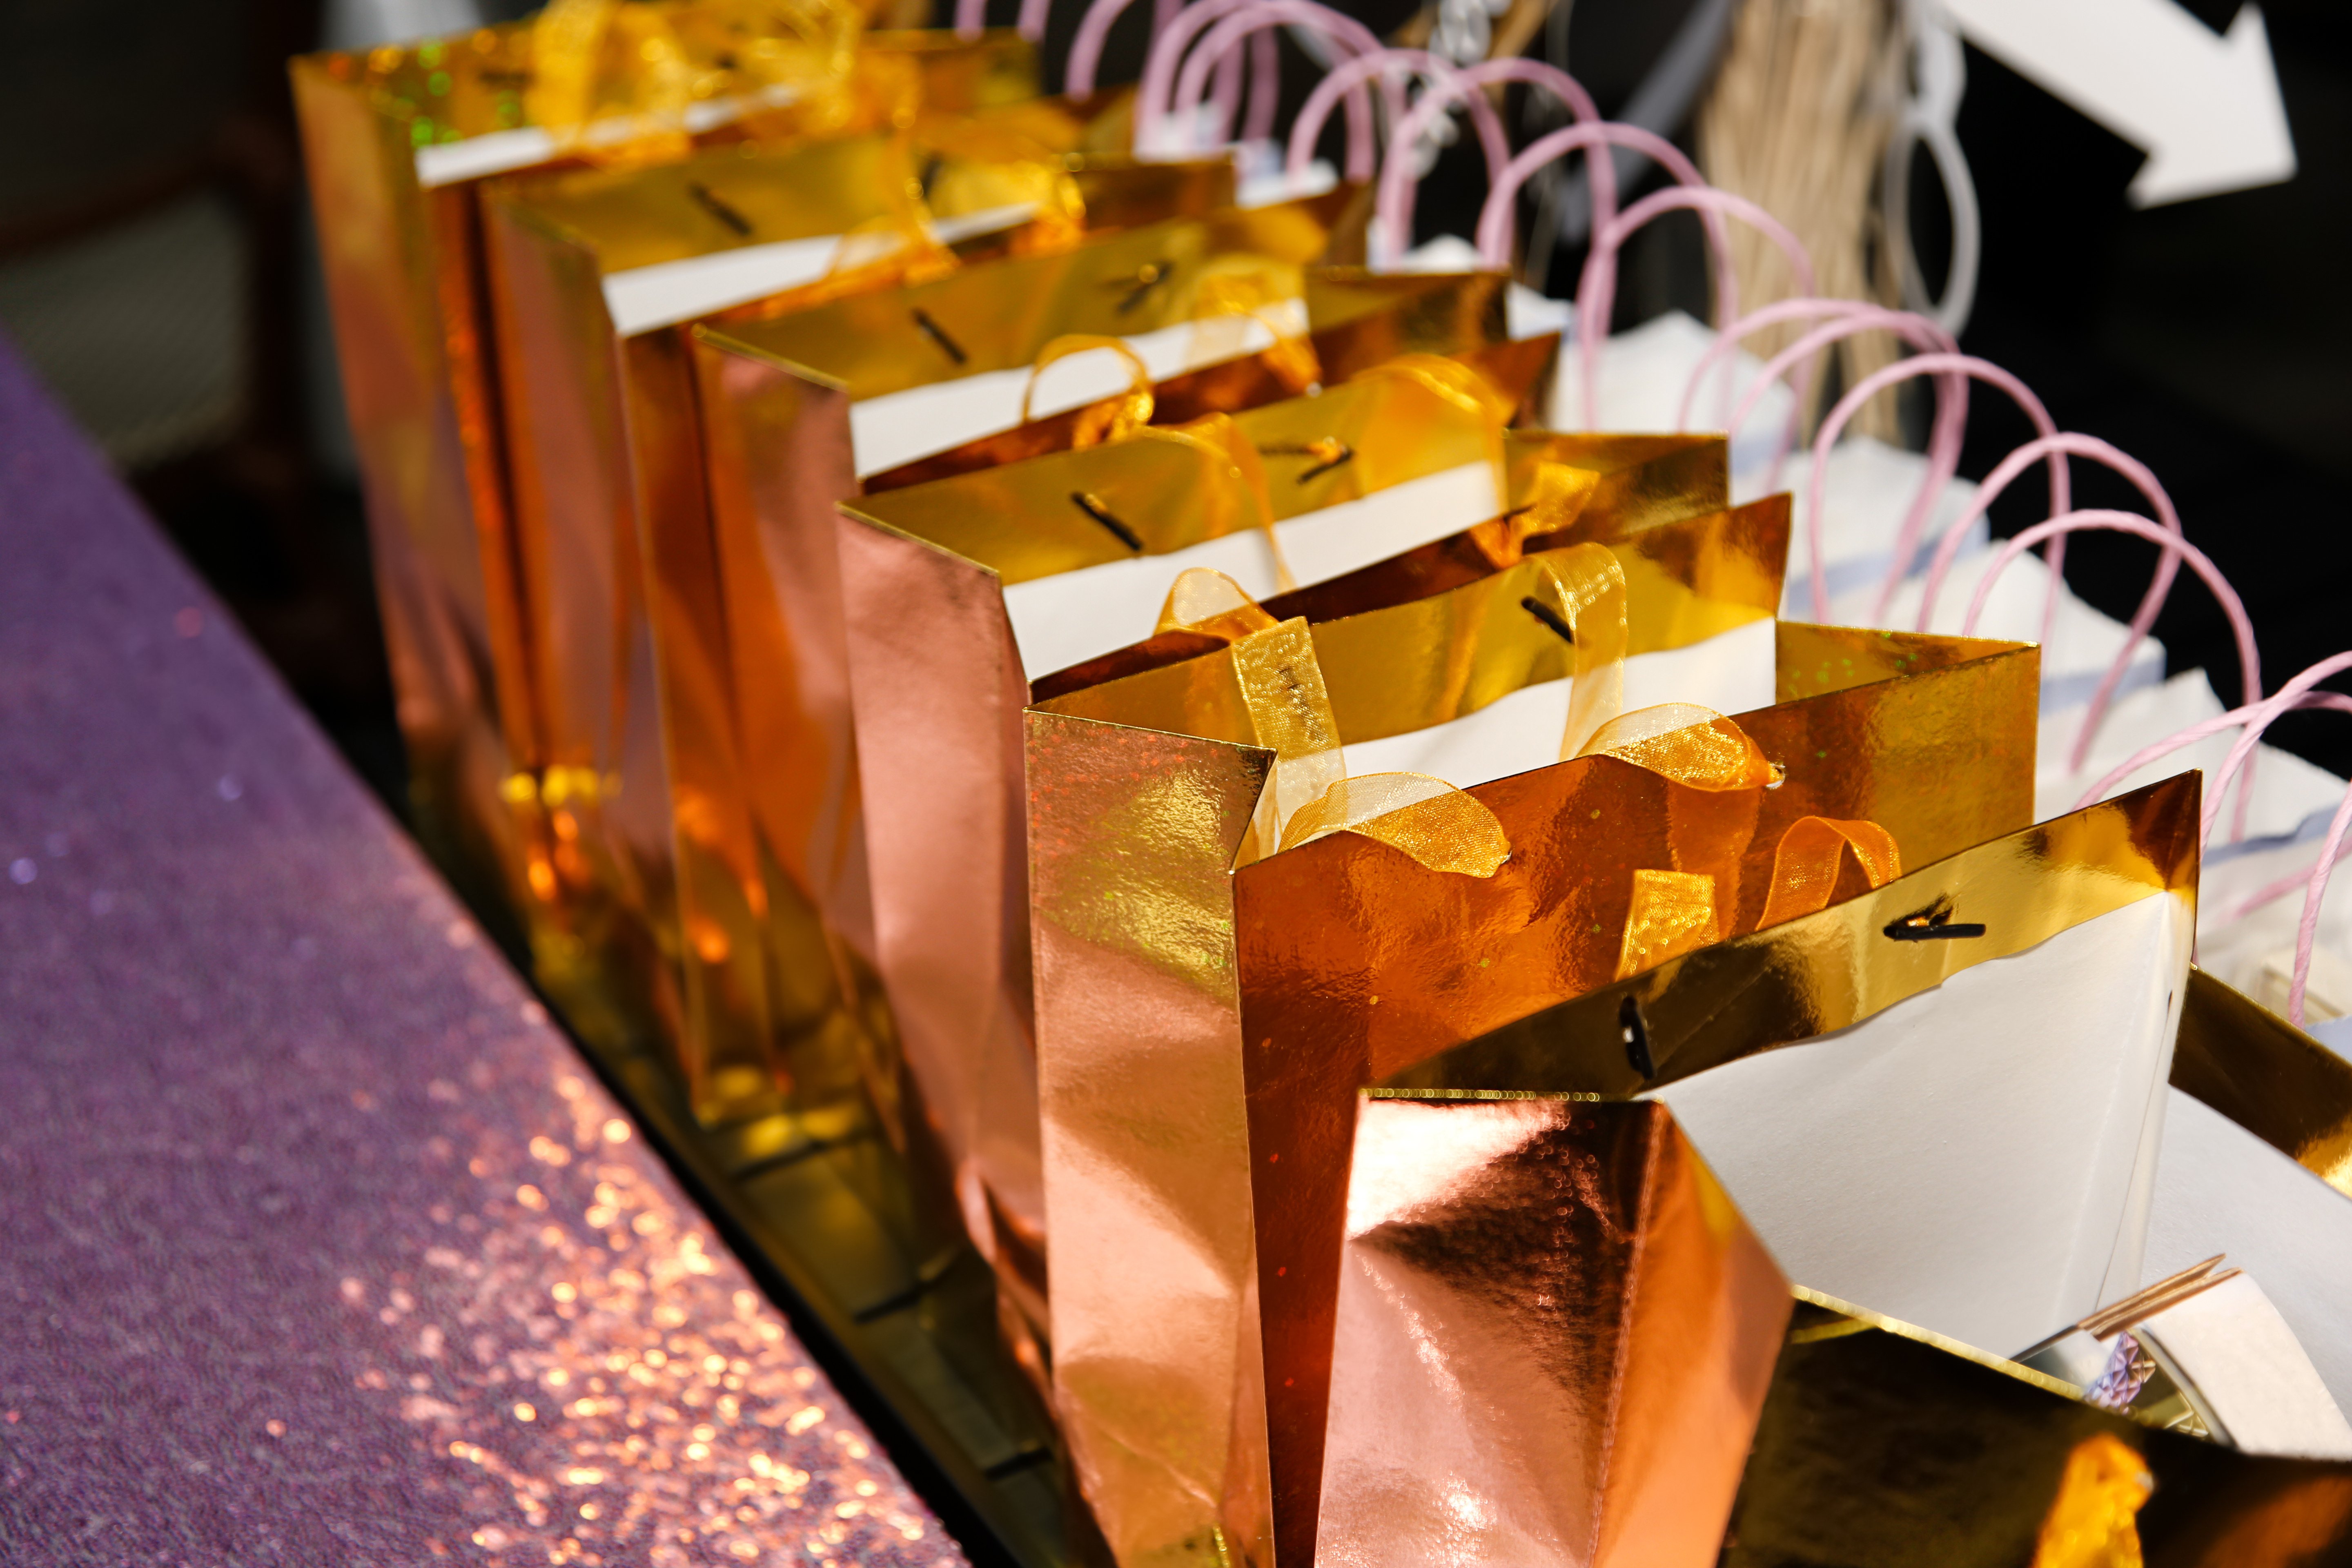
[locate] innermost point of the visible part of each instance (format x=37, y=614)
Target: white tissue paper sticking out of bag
x=900, y=426
x=1730, y=672
x=1979, y=1159
x=1064, y=620
x=1866, y=492
x=2220, y=1189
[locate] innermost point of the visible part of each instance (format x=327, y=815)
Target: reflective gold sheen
x=938, y=692
x=1320, y=970
x=1876, y=1447
x=1554, y=1337
x=409, y=298
x=2268, y=1076
x=600, y=430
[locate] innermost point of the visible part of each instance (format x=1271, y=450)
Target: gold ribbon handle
x=1806, y=864
x=1114, y=418
x=1588, y=600
x=1457, y=385
x=1310, y=795
x=1229, y=292
x=569, y=40
x=1557, y=497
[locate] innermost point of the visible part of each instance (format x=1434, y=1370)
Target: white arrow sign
x=2205, y=107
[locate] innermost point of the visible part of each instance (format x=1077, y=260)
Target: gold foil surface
x=2268, y=1076
x=409, y=298
x=1554, y=1336
x=1356, y=321
x=597, y=430
x=938, y=693
x=1880, y=1445
x=1354, y=962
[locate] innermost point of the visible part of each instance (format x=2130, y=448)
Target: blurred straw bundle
x=1797, y=123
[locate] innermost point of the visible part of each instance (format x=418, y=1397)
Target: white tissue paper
x=2220, y=1189
x=1979, y=1159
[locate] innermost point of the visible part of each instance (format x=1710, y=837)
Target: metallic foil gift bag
x=1943, y=1097
x=745, y=599
x=1289, y=983
x=1553, y=1338
x=583, y=266
x=2255, y=1133
x=1883, y=1444
x=398, y=140
x=961, y=591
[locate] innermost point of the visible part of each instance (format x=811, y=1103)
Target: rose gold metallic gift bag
x=398, y=140
x=584, y=266
x=1174, y=988
x=746, y=592
x=1554, y=1334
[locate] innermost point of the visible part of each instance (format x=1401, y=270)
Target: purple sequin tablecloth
x=317, y=1242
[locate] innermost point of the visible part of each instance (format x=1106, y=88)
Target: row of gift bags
x=1265, y=833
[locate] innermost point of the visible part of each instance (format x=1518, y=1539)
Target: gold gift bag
x=1286, y=985
x=2255, y=1134
x=1883, y=1444
x=583, y=265
x=1553, y=1338
x=1943, y=1097
x=397, y=140
x=961, y=591
x=745, y=596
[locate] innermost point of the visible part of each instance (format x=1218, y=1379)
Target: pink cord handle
x=1941, y=366
x=1266, y=88
x=2159, y=586
x=1391, y=233
x=2307, y=930
x=1032, y=24
x=2170, y=541
x=1160, y=81
x=1849, y=317
x=1596, y=291
x=1247, y=19
x=1094, y=32
x=1495, y=217
x=2257, y=717
x=970, y=15
x=1348, y=77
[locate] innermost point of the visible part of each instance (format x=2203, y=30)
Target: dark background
x=154, y=263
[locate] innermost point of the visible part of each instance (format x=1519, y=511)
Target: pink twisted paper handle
x=2159, y=586
x=1349, y=77
x=1094, y=31
x=1391, y=233
x=1849, y=317
x=2104, y=520
x=1939, y=365
x=1596, y=291
x=1161, y=71
x=2256, y=718
x=1251, y=19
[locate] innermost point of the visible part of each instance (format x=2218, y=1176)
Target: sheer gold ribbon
x=645, y=64
x=1555, y=497
x=1310, y=794
x=1230, y=291
x=1588, y=589
x=1720, y=774
x=1127, y=417
x=1452, y=381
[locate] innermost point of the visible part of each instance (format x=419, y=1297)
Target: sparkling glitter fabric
x=320, y=1246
